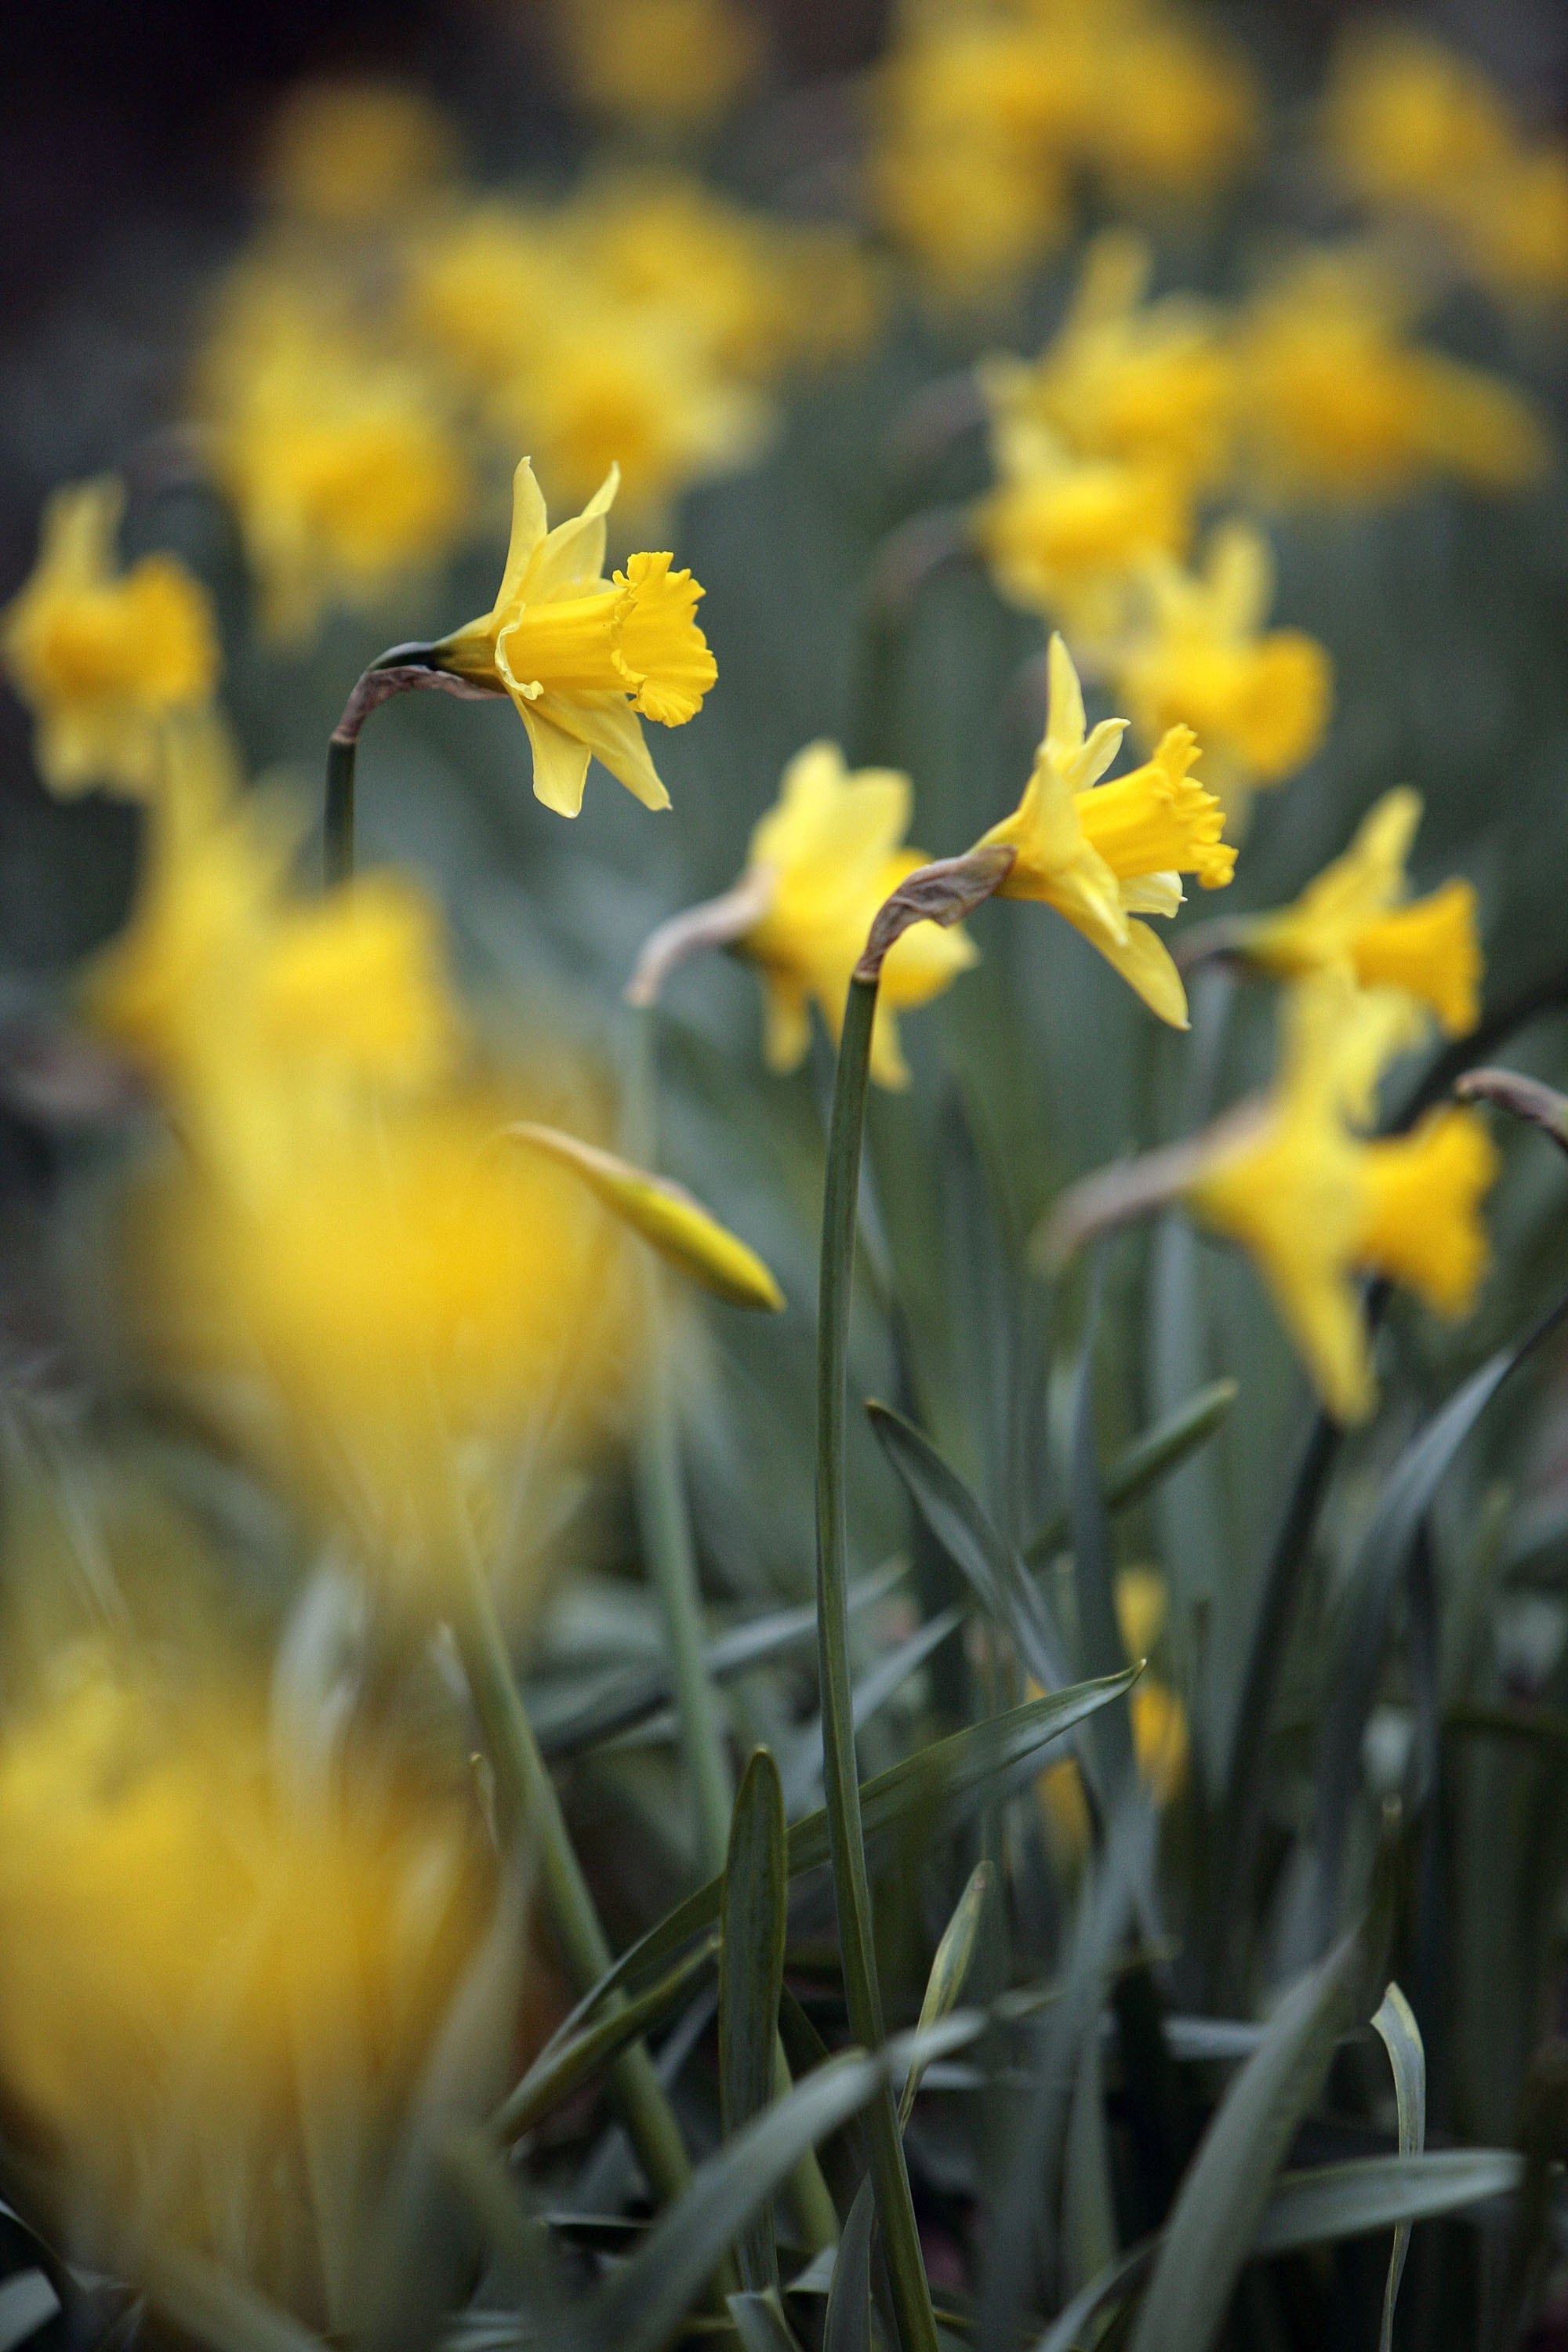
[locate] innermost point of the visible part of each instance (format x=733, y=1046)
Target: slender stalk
x=401, y=670
x=525, y=1794
x=889, y=2174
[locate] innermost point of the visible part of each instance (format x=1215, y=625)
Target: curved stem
x=852, y=1893
x=401, y=670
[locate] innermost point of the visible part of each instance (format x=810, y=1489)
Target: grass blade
x=1401, y=2035
x=803, y=1769
x=949, y=1969
x=1381, y=2192
x=1140, y=1467
x=750, y=1974
x=1100, y=1647
x=1225, y=2192
x=848, y=2324
x=759, y=2320
x=563, y=2066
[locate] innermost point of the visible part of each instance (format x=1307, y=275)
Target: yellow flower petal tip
x=585, y=658
x=665, y=1216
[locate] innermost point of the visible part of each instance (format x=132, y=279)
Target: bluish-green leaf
x=751, y=1973
x=1396, y=2024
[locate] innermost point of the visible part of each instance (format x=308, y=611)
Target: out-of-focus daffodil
x=1356, y=916
x=1176, y=115
x=1291, y=1178
x=1145, y=383
x=585, y=658
x=664, y=65
x=1068, y=537
x=194, y=1947
x=1161, y=1739
x=1259, y=697
x=105, y=656
x=476, y=286
x=1102, y=854
x=355, y=154
x=824, y=857
x=666, y=1215
x=1337, y=399
x=346, y=470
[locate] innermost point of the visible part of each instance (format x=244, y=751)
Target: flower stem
x=401, y=670
x=525, y=1796
x=889, y=2174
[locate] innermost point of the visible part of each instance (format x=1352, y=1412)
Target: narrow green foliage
x=751, y=1973
x=565, y=2066
x=846, y=2326
x=1401, y=2035
x=1141, y=1467
x=949, y=1969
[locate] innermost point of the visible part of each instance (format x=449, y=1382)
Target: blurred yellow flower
x=1259, y=697
x=1142, y=1607
x=477, y=284
x=355, y=154
x=1161, y=1744
x=583, y=658
x=1315, y=1206
x=605, y=385
x=826, y=856
x=664, y=65
x=1337, y=400
x=194, y=1953
x=1408, y=122
x=1177, y=113
x=978, y=121
x=1356, y=916
x=345, y=470
x=104, y=656
x=1069, y=537
x=1101, y=854
x=1146, y=383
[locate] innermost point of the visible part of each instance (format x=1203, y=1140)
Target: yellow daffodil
x=344, y=466
x=476, y=285
x=1338, y=400
x=607, y=384
x=1259, y=697
x=355, y=154
x=197, y=1948
x=585, y=658
x=105, y=656
x=1102, y=854
x=1145, y=383
x=1513, y=225
x=1409, y=122
x=1068, y=537
x=823, y=859
x=1356, y=916
x=1316, y=1206
x=664, y=65
x=1161, y=1739
x=1177, y=113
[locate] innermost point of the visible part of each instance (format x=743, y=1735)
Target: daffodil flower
x=105, y=656
x=585, y=658
x=1259, y=697
x=1356, y=916
x=1104, y=854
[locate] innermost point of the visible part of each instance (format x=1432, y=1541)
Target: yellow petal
x=1144, y=963
x=527, y=525
x=665, y=1216
x=610, y=729
x=560, y=761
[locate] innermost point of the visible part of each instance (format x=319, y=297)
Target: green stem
x=338, y=823
x=889, y=2174
x=526, y=1800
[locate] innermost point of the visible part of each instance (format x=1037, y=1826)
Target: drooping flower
x=352, y=155
x=585, y=658
x=1140, y=383
x=1177, y=115
x=1104, y=854
x=1259, y=697
x=104, y=656
x=826, y=856
x=1356, y=916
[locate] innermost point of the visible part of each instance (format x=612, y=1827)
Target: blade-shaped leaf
x=1139, y=1468
x=803, y=1774
x=1374, y=1581
x=1382, y=2192
x=848, y=2325
x=640, y=2307
x=759, y=2321
x=751, y=1973
x=563, y=2066
x=1395, y=2023
x=947, y=1778
x=949, y=1969
x=1100, y=1645
x=1227, y=2188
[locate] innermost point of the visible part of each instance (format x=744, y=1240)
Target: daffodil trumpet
x=401, y=670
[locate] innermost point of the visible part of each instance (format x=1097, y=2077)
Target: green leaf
x=949, y=1969
x=1139, y=1468
x=1089, y=2213
x=991, y=1568
x=1374, y=1581
x=1395, y=2023
x=803, y=1771
x=760, y=2321
x=1100, y=1645
x=949, y=1776
x=640, y=2306
x=751, y=1973
x=563, y=2066
x=848, y=2324
x=1226, y=2188
x=1382, y=2192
